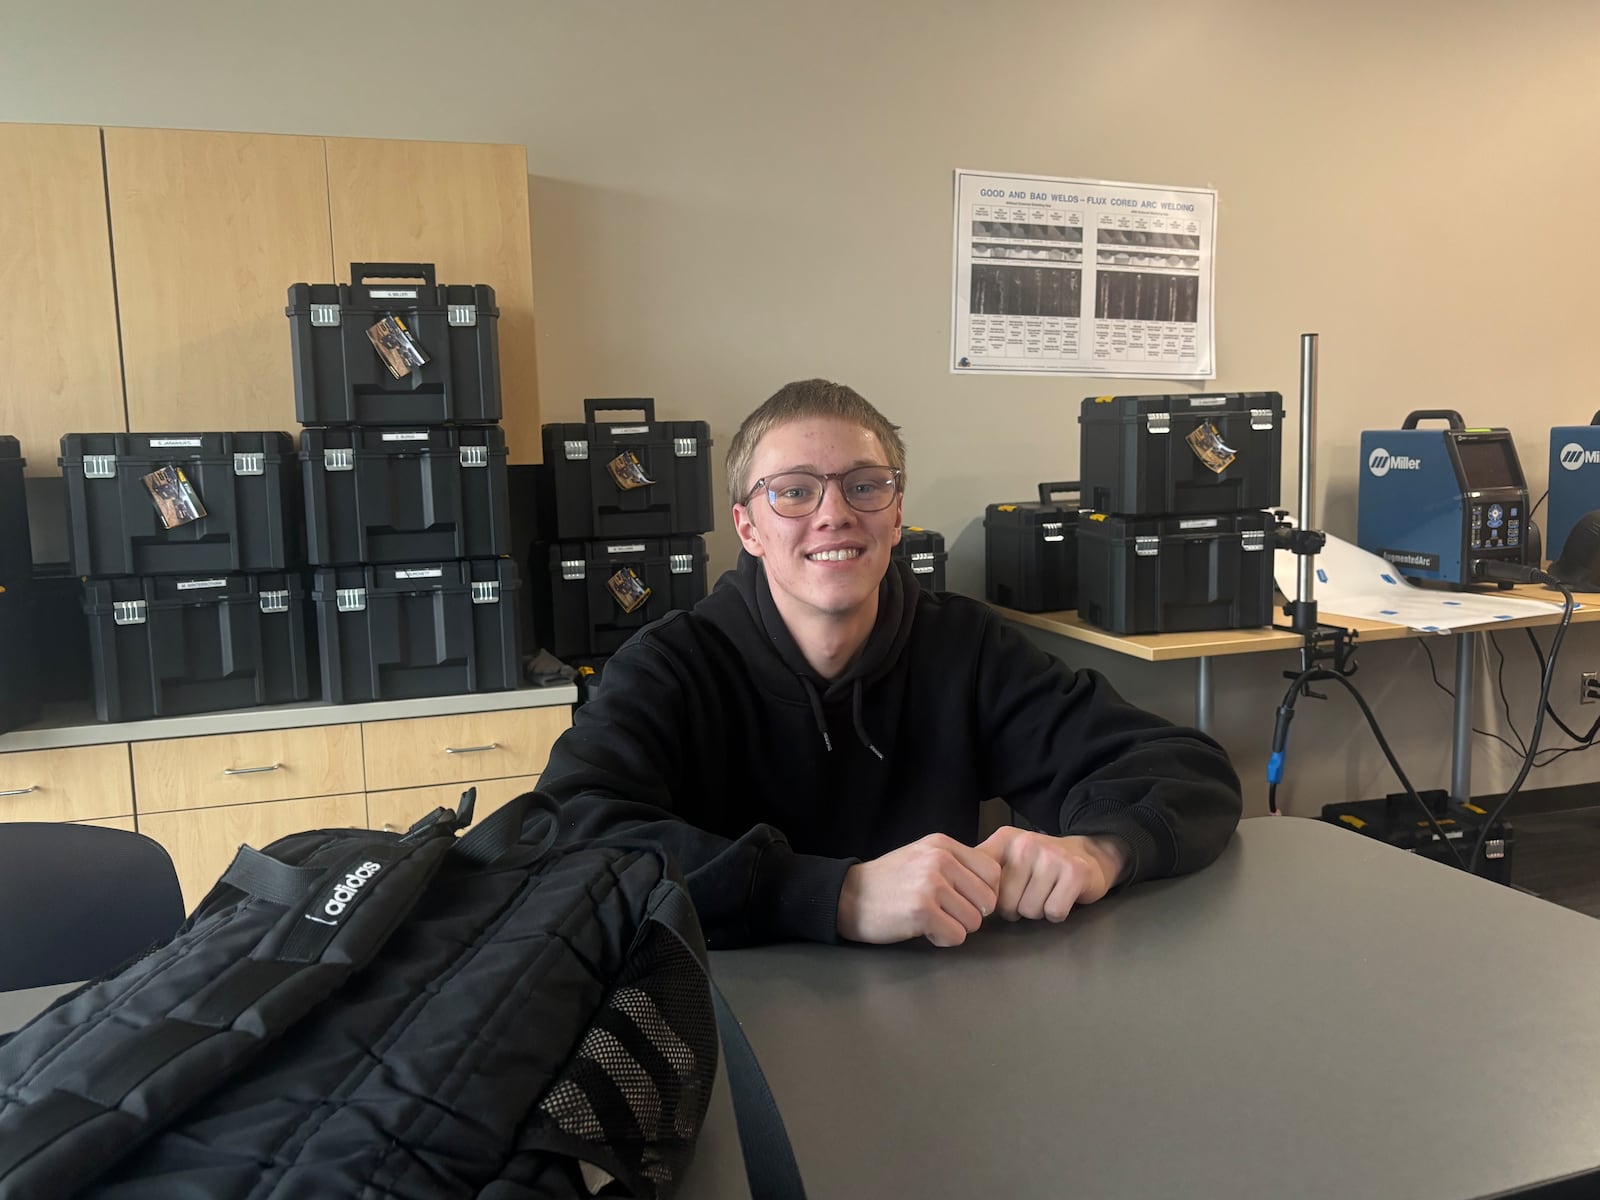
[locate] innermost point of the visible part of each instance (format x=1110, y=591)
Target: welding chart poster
x=1083, y=277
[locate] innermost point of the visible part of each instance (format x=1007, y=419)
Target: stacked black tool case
x=19, y=665
x=1030, y=551
x=1397, y=820
x=621, y=505
x=924, y=550
x=403, y=464
x=190, y=553
x=1178, y=539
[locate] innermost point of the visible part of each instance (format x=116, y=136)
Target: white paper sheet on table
x=1355, y=583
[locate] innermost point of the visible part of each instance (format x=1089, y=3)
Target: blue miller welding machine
x=1574, y=481
x=1433, y=501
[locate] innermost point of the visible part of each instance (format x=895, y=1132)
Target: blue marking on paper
x=1322, y=576
x=1387, y=578
x=1456, y=603
x=1388, y=612
x=1502, y=616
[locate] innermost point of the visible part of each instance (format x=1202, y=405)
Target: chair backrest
x=79, y=900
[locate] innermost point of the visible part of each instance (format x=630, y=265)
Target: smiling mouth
x=833, y=555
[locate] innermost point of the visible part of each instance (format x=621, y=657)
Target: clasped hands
x=941, y=889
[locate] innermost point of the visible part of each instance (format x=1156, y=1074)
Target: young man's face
x=832, y=561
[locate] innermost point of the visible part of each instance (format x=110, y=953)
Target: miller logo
x=1573, y=456
x=344, y=892
x=1380, y=462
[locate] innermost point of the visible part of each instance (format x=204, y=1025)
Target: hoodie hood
x=749, y=617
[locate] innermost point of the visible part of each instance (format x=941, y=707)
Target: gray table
x=1316, y=1015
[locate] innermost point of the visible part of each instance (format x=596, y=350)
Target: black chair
x=77, y=901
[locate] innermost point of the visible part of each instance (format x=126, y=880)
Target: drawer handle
x=20, y=791
x=251, y=770
x=471, y=749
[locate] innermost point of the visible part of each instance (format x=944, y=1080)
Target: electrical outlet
x=1589, y=687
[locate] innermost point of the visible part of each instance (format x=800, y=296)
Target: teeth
x=833, y=555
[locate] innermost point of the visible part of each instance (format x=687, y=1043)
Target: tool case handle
x=1049, y=491
x=1435, y=414
x=644, y=404
x=1595, y=420
x=361, y=272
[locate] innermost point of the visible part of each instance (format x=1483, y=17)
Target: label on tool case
x=635, y=548
x=1203, y=523
x=406, y=437
x=628, y=429
x=1208, y=401
x=422, y=573
x=155, y=442
x=393, y=293
x=188, y=585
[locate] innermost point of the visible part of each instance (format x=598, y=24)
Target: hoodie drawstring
x=855, y=715
x=816, y=712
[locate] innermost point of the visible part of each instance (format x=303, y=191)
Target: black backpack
x=353, y=1013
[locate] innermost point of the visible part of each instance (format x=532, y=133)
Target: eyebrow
x=811, y=467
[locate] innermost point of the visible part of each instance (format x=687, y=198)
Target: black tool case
x=397, y=631
x=166, y=645
x=588, y=597
x=245, y=481
x=1030, y=551
x=1159, y=455
x=16, y=547
x=924, y=550
x=1397, y=820
x=405, y=495
x=1172, y=574
x=581, y=497
x=339, y=376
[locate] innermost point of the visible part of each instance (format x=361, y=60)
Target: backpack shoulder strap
x=769, y=1163
x=296, y=936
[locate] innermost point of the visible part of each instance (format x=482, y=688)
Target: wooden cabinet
x=464, y=208
x=397, y=811
x=58, y=340
x=241, y=768
x=459, y=749
x=210, y=229
x=206, y=233
x=202, y=842
x=82, y=784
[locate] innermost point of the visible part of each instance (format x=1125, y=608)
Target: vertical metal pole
x=1461, y=733
x=1202, y=694
x=1308, y=440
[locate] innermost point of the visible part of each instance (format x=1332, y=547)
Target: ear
x=745, y=527
x=899, y=517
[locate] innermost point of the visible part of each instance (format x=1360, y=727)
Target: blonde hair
x=800, y=401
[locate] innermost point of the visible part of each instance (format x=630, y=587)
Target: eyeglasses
x=799, y=493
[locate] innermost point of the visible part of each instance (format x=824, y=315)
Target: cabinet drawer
x=490, y=745
x=84, y=783
x=240, y=768
x=398, y=811
x=202, y=842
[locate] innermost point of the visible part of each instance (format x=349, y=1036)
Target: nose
x=834, y=509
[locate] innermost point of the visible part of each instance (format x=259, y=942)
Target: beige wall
x=729, y=195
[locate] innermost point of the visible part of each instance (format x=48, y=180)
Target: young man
x=813, y=740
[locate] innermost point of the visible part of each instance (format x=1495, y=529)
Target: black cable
x=1281, y=746
x=1532, y=511
x=1434, y=671
x=1532, y=575
x=1585, y=738
x=1505, y=701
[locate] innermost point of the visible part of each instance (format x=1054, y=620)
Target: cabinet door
x=398, y=811
x=210, y=230
x=202, y=842
x=464, y=208
x=83, y=783
x=58, y=339
x=487, y=745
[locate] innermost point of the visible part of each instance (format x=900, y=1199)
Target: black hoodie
x=712, y=736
